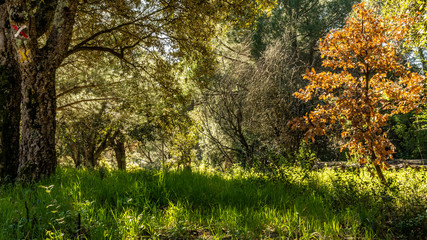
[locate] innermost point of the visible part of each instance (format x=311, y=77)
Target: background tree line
x=155, y=82
x=152, y=38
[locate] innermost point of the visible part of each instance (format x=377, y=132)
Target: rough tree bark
x=37, y=149
x=37, y=153
x=10, y=99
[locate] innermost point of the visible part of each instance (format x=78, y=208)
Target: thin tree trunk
x=93, y=149
x=163, y=154
x=120, y=151
x=10, y=99
x=380, y=174
x=147, y=155
x=98, y=150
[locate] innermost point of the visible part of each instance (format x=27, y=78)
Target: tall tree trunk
x=37, y=149
x=10, y=99
x=37, y=153
x=10, y=114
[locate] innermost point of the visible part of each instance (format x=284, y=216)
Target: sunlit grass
x=291, y=203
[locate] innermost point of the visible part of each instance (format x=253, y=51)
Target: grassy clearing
x=292, y=203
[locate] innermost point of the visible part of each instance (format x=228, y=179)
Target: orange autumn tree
x=367, y=86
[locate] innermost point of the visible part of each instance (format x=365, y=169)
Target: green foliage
x=84, y=136
x=305, y=158
x=409, y=135
x=305, y=21
x=292, y=203
x=184, y=143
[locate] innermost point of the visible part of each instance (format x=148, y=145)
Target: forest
x=213, y=119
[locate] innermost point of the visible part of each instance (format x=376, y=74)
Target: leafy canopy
x=367, y=84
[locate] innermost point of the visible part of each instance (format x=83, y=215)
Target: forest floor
x=290, y=203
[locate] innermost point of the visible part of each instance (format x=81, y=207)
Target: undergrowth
x=291, y=203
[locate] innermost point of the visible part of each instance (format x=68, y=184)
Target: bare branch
x=96, y=48
x=109, y=30
x=231, y=59
x=82, y=43
x=235, y=51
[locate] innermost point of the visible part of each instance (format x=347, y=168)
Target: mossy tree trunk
x=10, y=99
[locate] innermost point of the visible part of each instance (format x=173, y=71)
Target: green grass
x=290, y=204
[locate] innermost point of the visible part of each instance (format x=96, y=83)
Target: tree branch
x=231, y=59
x=84, y=87
x=84, y=100
x=96, y=48
x=119, y=55
x=235, y=51
x=82, y=43
x=61, y=33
